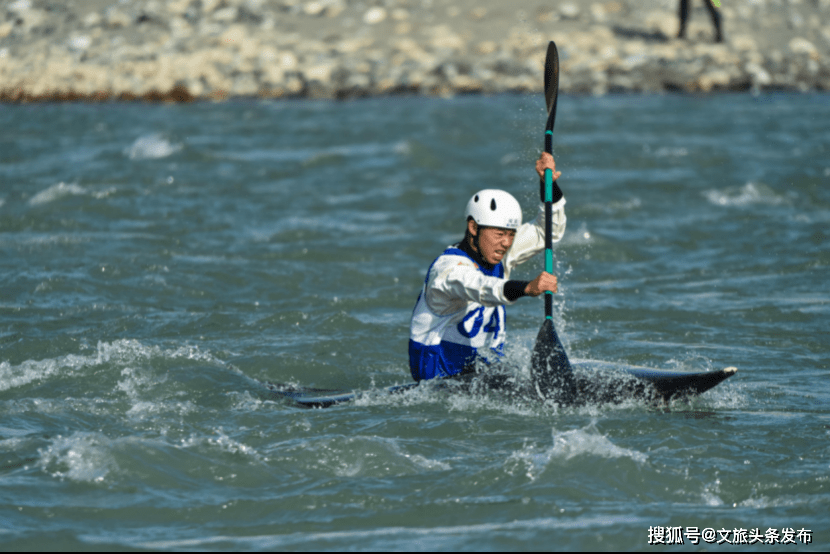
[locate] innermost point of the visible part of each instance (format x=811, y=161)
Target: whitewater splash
x=588, y=442
x=55, y=192
x=151, y=147
x=83, y=456
x=124, y=351
x=747, y=195
x=95, y=457
x=63, y=190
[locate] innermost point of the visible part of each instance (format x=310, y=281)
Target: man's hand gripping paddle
x=552, y=374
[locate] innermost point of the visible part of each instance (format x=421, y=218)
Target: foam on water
x=247, y=402
x=711, y=494
x=122, y=352
x=56, y=192
x=452, y=397
x=82, y=456
x=412, y=397
x=62, y=190
x=359, y=455
x=134, y=381
x=786, y=501
x=151, y=147
x=747, y=195
x=150, y=410
x=92, y=457
x=125, y=350
x=471, y=403
x=11, y=445
x=219, y=440
x=585, y=442
x=29, y=371
x=727, y=396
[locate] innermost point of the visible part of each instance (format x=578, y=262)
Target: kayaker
x=459, y=317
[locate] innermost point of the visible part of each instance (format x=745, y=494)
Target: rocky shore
x=184, y=50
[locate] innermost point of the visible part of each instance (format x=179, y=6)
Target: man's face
x=493, y=242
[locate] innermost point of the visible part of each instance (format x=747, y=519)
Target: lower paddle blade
x=552, y=374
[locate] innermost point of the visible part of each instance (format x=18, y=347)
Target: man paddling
x=459, y=316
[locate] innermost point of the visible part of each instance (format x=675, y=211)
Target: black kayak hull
x=597, y=382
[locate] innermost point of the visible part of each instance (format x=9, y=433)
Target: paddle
x=552, y=374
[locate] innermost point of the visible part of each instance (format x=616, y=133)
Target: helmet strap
x=475, y=236
x=473, y=248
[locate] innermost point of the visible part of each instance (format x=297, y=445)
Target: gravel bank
x=182, y=50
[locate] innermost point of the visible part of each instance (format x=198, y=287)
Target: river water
x=158, y=262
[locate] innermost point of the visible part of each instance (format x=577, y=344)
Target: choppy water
x=157, y=261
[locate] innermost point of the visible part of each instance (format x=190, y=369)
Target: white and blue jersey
x=460, y=313
x=444, y=345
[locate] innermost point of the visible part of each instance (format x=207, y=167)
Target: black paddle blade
x=552, y=374
x=551, y=83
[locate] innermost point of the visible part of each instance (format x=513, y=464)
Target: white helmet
x=494, y=208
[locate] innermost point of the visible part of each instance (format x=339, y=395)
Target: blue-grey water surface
x=158, y=262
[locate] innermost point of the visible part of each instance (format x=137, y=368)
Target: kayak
x=597, y=382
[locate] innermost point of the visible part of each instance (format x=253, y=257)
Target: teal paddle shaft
x=548, y=237
x=551, y=96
